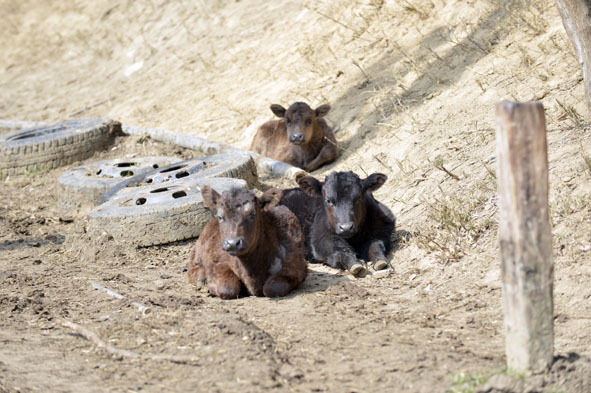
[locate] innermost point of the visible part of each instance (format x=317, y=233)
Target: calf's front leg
x=334, y=250
x=196, y=271
x=337, y=253
x=376, y=254
x=224, y=282
x=345, y=260
x=279, y=285
x=327, y=154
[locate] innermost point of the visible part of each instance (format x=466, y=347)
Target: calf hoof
x=357, y=269
x=225, y=291
x=380, y=265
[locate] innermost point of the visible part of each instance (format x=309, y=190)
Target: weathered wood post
x=576, y=18
x=524, y=235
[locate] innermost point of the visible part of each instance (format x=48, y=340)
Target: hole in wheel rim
x=99, y=172
x=181, y=174
x=179, y=194
x=125, y=164
x=174, y=168
x=159, y=190
x=155, y=166
x=140, y=201
x=126, y=173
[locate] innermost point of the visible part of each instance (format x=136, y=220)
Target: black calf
x=342, y=221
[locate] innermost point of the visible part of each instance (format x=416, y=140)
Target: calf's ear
x=278, y=110
x=310, y=185
x=270, y=198
x=210, y=196
x=322, y=110
x=374, y=181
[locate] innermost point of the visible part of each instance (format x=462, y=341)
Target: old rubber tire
x=236, y=165
x=81, y=188
x=156, y=214
x=54, y=145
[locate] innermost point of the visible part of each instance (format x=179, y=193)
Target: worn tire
x=81, y=188
x=156, y=214
x=236, y=165
x=54, y=145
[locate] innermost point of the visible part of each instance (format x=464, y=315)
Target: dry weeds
x=412, y=84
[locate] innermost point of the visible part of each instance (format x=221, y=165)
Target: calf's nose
x=344, y=227
x=296, y=138
x=232, y=244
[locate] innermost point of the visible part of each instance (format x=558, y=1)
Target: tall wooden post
x=576, y=18
x=524, y=235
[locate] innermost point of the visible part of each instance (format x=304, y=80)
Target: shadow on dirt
x=318, y=281
x=570, y=373
x=32, y=242
x=439, y=74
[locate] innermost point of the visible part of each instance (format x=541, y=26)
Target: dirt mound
x=570, y=374
x=412, y=85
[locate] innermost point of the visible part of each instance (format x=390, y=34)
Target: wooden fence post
x=576, y=18
x=524, y=235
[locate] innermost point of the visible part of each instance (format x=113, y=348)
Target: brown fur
x=318, y=146
x=273, y=233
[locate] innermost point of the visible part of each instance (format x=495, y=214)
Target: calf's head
x=345, y=198
x=239, y=214
x=300, y=120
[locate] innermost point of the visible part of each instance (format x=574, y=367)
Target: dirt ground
x=412, y=85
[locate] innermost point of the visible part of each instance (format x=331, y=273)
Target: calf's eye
x=308, y=122
x=329, y=202
x=220, y=218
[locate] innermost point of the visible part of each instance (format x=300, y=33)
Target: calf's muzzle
x=235, y=245
x=296, y=138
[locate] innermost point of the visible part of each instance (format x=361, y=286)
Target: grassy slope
x=412, y=84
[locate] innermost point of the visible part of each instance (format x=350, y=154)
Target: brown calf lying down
x=250, y=244
x=300, y=138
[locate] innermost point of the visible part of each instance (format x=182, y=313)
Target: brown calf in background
x=250, y=243
x=301, y=137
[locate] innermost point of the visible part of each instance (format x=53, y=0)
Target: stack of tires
x=140, y=201
x=54, y=145
x=150, y=200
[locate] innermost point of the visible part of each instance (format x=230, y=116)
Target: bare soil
x=412, y=85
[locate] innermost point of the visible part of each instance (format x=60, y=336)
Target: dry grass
x=412, y=85
x=455, y=222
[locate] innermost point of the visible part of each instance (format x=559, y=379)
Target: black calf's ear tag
x=278, y=110
x=310, y=185
x=374, y=181
x=210, y=196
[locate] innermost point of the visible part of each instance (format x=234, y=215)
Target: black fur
x=343, y=199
